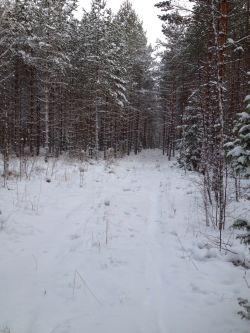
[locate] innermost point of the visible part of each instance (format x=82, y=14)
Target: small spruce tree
x=191, y=143
x=239, y=149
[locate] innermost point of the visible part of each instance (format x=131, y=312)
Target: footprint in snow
x=74, y=236
x=174, y=233
x=126, y=189
x=197, y=289
x=117, y=262
x=62, y=329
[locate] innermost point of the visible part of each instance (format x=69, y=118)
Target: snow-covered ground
x=125, y=253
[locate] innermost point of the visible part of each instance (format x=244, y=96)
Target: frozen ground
x=125, y=253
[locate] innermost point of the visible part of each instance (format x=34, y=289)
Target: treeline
x=69, y=85
x=204, y=90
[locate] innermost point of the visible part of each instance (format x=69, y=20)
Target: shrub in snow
x=12, y=174
x=240, y=224
x=245, y=313
x=244, y=225
x=239, y=149
x=5, y=330
x=241, y=259
x=2, y=221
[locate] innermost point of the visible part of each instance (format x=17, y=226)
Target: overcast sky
x=145, y=10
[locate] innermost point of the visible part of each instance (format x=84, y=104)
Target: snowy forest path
x=119, y=254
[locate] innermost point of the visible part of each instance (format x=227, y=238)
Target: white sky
x=145, y=10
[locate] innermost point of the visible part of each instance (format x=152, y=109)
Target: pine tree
x=70, y=85
x=105, y=82
x=6, y=72
x=138, y=63
x=52, y=19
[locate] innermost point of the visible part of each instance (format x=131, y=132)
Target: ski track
x=58, y=275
